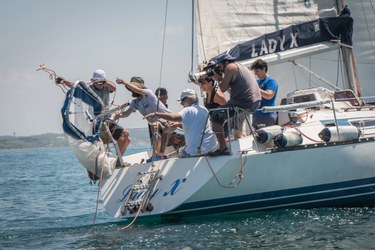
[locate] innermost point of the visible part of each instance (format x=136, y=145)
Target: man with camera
x=244, y=94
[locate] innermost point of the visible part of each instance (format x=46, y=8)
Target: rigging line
x=372, y=7
x=154, y=138
x=192, y=36
x=162, y=49
x=230, y=185
x=97, y=196
x=52, y=75
x=367, y=26
x=294, y=76
x=242, y=23
x=341, y=61
x=201, y=36
x=310, y=59
x=338, y=68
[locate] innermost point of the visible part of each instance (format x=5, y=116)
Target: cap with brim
x=187, y=93
x=139, y=85
x=99, y=76
x=224, y=57
x=138, y=82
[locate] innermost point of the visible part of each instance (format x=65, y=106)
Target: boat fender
x=287, y=139
x=265, y=135
x=346, y=133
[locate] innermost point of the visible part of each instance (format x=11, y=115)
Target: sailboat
x=319, y=154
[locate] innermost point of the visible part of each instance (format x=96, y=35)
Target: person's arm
x=131, y=87
x=124, y=114
x=270, y=89
x=229, y=75
x=61, y=80
x=220, y=98
x=111, y=86
x=267, y=94
x=167, y=116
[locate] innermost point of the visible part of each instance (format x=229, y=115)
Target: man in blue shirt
x=268, y=90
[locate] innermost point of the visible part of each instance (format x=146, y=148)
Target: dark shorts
x=115, y=129
x=236, y=118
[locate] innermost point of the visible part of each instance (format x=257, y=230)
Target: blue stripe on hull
x=349, y=193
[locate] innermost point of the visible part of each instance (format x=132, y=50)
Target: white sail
x=221, y=25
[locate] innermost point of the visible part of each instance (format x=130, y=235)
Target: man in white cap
x=195, y=123
x=102, y=87
x=147, y=102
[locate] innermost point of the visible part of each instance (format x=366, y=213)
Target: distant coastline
x=139, y=136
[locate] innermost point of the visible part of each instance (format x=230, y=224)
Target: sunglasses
x=100, y=83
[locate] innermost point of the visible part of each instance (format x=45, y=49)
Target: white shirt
x=194, y=123
x=148, y=104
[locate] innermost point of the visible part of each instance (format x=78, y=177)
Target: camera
x=205, y=70
x=211, y=68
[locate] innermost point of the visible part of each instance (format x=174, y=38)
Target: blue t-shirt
x=264, y=84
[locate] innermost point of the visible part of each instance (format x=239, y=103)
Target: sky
x=74, y=38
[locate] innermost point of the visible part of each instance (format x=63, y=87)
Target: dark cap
x=138, y=81
x=224, y=57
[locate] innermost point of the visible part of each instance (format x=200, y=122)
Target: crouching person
x=194, y=122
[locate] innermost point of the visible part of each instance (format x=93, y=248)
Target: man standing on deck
x=146, y=102
x=102, y=87
x=244, y=93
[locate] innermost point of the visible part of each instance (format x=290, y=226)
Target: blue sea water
x=46, y=202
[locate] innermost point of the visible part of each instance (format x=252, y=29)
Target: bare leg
x=164, y=140
x=123, y=141
x=237, y=133
x=219, y=131
x=158, y=145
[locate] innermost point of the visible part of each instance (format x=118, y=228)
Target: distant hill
x=138, y=136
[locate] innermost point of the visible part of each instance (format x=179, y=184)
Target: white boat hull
x=333, y=174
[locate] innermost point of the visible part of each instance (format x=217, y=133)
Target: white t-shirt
x=193, y=122
x=148, y=104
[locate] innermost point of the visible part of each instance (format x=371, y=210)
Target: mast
x=351, y=79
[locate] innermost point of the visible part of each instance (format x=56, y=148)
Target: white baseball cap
x=187, y=93
x=98, y=75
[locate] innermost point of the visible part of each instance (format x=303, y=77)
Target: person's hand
x=175, y=124
x=59, y=80
x=151, y=115
x=217, y=77
x=120, y=81
x=117, y=116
